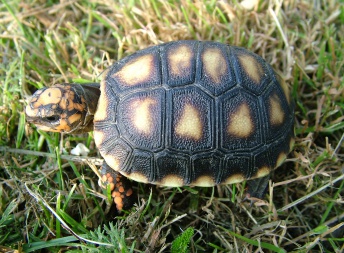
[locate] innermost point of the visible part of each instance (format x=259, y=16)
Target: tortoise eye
x=52, y=118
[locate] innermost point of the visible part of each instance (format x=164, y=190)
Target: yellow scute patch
x=138, y=177
x=113, y=162
x=215, y=64
x=142, y=115
x=284, y=87
x=276, y=111
x=137, y=71
x=262, y=172
x=241, y=124
x=180, y=60
x=251, y=67
x=204, y=181
x=101, y=113
x=281, y=158
x=190, y=124
x=172, y=181
x=237, y=178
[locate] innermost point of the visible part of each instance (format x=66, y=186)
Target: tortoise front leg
x=120, y=186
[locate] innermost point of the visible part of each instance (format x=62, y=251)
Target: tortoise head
x=67, y=108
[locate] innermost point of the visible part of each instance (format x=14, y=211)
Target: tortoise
x=196, y=113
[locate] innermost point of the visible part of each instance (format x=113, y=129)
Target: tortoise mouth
x=46, y=128
x=43, y=124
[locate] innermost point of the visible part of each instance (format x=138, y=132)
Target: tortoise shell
x=193, y=113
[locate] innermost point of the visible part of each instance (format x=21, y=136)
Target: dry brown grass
x=46, y=43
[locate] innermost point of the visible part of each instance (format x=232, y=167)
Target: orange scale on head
x=74, y=118
x=63, y=104
x=78, y=107
x=70, y=104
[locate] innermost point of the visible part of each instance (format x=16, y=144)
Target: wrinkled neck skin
x=65, y=108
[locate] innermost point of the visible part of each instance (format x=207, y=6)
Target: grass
x=54, y=204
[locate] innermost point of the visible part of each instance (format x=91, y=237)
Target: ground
x=51, y=202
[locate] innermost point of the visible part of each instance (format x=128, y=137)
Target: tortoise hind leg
x=257, y=187
x=121, y=188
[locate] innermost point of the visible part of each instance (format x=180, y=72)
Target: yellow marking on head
x=262, y=172
x=276, y=111
x=240, y=122
x=237, y=178
x=31, y=112
x=251, y=67
x=180, y=59
x=142, y=115
x=190, y=124
x=281, y=158
x=74, y=118
x=103, y=103
x=137, y=71
x=215, y=64
x=63, y=126
x=204, y=181
x=63, y=104
x=172, y=181
x=136, y=176
x=48, y=96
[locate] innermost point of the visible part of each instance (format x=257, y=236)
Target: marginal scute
x=180, y=59
x=241, y=123
x=276, y=111
x=172, y=181
x=281, y=158
x=190, y=124
x=138, y=71
x=251, y=67
x=136, y=176
x=262, y=172
x=284, y=87
x=291, y=144
x=142, y=115
x=204, y=181
x=236, y=178
x=103, y=103
x=214, y=63
x=112, y=161
x=99, y=137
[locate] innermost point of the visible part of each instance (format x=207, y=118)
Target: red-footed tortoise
x=180, y=113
